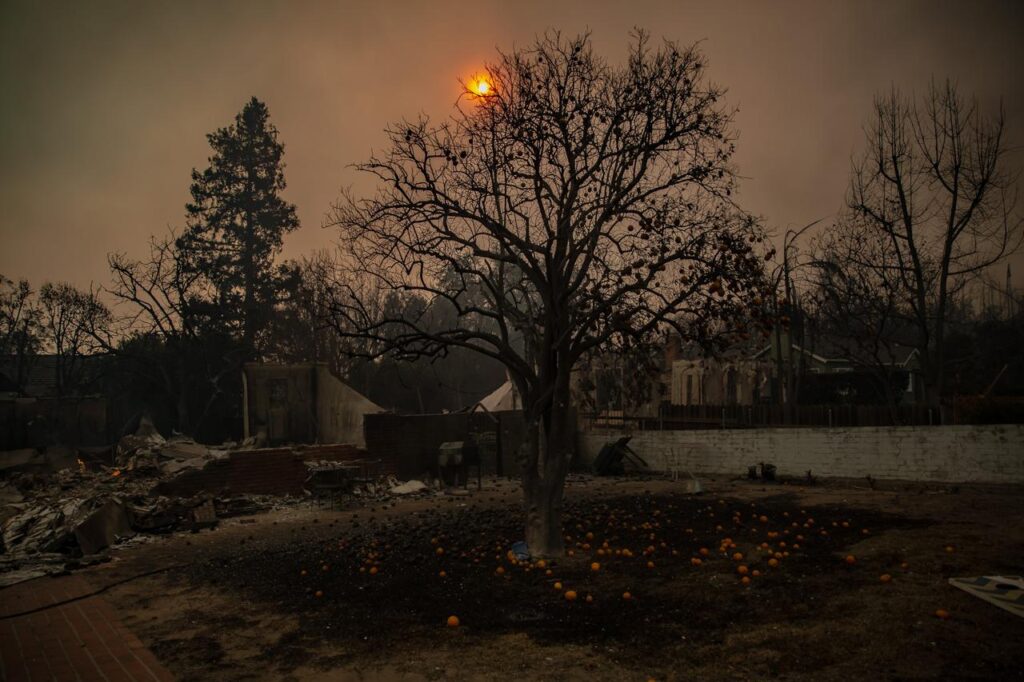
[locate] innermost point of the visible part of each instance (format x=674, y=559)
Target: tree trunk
x=548, y=451
x=544, y=517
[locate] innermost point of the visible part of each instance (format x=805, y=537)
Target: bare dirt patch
x=296, y=596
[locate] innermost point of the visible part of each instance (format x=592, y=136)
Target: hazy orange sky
x=105, y=105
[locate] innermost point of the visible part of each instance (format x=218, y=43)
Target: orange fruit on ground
x=439, y=551
x=453, y=621
x=742, y=570
x=738, y=556
x=773, y=562
x=949, y=548
x=303, y=572
x=595, y=566
x=590, y=599
x=650, y=564
x=850, y=559
x=442, y=574
x=570, y=595
x=695, y=561
x=745, y=580
x=500, y=570
x=942, y=613
x=319, y=594
x=558, y=586
x=541, y=563
x=755, y=573
x=885, y=577
x=373, y=570
x=627, y=596
x=904, y=565
x=704, y=551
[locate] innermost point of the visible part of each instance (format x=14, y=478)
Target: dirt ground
x=364, y=594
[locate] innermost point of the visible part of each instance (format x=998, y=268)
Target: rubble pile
x=59, y=508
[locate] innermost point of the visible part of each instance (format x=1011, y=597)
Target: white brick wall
x=989, y=454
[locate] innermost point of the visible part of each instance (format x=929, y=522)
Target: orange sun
x=480, y=86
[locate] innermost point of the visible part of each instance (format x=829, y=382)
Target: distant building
x=502, y=399
x=750, y=375
x=48, y=399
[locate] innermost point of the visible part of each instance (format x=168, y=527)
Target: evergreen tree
x=236, y=223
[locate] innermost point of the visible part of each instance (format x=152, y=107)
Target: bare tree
x=931, y=206
x=155, y=299
x=568, y=206
x=19, y=328
x=66, y=317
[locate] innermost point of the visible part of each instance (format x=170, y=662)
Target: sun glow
x=480, y=86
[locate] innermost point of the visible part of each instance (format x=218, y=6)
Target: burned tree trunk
x=547, y=453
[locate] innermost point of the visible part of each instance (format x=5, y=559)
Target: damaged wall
x=269, y=471
x=981, y=454
x=303, y=403
x=340, y=409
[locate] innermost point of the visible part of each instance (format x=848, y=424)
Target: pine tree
x=236, y=223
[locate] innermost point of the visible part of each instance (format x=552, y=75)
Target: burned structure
x=301, y=403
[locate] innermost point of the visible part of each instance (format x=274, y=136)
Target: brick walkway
x=82, y=640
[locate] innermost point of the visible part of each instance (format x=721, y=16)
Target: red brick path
x=81, y=640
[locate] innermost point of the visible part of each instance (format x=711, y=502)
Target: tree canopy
x=571, y=207
x=237, y=221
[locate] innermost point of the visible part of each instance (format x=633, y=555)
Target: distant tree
x=237, y=221
x=931, y=206
x=19, y=328
x=299, y=330
x=570, y=207
x=163, y=337
x=67, y=318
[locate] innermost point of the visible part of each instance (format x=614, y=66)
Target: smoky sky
x=105, y=106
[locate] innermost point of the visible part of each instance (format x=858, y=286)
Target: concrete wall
x=989, y=454
x=304, y=403
x=282, y=402
x=340, y=410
